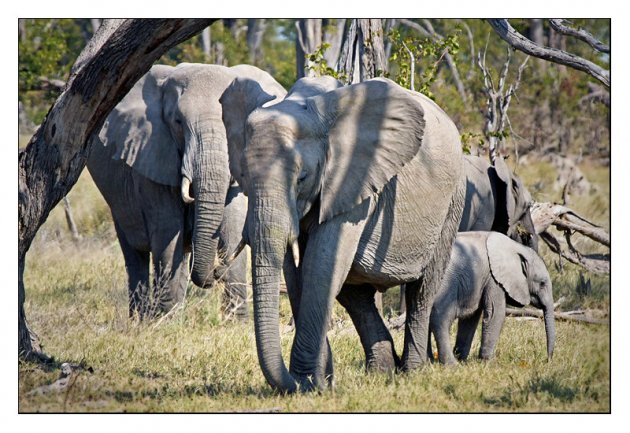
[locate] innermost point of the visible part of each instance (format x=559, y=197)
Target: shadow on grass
x=188, y=391
x=519, y=395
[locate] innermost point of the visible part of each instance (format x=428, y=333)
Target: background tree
x=317, y=42
x=118, y=54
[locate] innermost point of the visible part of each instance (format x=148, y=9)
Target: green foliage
x=47, y=48
x=426, y=56
x=470, y=138
x=317, y=63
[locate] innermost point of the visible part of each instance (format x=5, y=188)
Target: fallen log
x=569, y=316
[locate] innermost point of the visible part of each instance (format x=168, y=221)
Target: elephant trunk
x=532, y=238
x=210, y=181
x=550, y=325
x=269, y=236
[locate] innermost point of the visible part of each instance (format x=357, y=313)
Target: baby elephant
x=488, y=270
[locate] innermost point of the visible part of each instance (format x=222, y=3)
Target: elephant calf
x=486, y=271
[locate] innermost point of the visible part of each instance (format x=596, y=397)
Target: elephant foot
x=309, y=383
x=415, y=363
x=312, y=382
x=382, y=357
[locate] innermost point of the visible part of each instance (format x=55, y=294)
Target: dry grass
x=197, y=362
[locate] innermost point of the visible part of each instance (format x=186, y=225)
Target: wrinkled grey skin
x=163, y=143
x=497, y=200
x=488, y=270
x=366, y=183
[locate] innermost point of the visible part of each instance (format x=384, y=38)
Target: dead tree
x=120, y=52
x=545, y=215
x=363, y=53
x=516, y=40
x=498, y=101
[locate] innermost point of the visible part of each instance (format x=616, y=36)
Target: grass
x=194, y=361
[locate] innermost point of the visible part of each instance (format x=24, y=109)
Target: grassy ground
x=195, y=361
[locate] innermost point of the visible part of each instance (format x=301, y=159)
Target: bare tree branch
x=564, y=219
x=471, y=41
x=571, y=316
x=561, y=26
x=503, y=28
x=414, y=25
x=498, y=100
x=546, y=214
x=412, y=63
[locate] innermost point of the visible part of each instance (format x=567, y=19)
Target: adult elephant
x=161, y=163
x=496, y=200
x=350, y=191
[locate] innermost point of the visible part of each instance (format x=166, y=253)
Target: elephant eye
x=178, y=121
x=302, y=176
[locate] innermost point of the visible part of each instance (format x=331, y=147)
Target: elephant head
x=524, y=277
x=316, y=155
x=513, y=216
x=174, y=135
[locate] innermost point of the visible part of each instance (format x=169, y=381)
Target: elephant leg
x=235, y=293
x=170, y=272
x=328, y=257
x=416, y=327
x=137, y=267
x=493, y=318
x=466, y=328
x=442, y=331
x=402, y=305
x=376, y=340
x=235, y=276
x=292, y=278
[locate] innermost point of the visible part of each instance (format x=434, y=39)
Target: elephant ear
x=509, y=266
x=506, y=203
x=241, y=97
x=373, y=129
x=136, y=130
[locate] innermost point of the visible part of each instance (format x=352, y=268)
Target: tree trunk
x=363, y=53
x=255, y=30
x=115, y=58
x=206, y=42
x=308, y=39
x=536, y=31
x=96, y=23
x=332, y=34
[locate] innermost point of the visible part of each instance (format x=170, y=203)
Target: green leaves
x=412, y=54
x=317, y=63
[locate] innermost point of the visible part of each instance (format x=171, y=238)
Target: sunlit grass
x=195, y=361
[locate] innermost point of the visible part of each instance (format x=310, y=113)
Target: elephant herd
x=340, y=191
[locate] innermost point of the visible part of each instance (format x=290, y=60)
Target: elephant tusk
x=236, y=252
x=295, y=249
x=186, y=190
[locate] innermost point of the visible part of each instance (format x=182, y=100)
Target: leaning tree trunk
x=120, y=52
